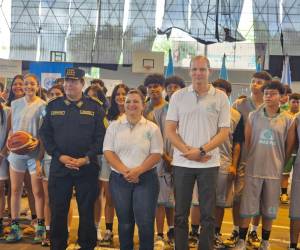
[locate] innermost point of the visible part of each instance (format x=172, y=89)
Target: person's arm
x=4, y=149
x=248, y=132
x=100, y=128
x=236, y=150
x=173, y=136
x=171, y=125
x=115, y=162
x=46, y=133
x=217, y=140
x=237, y=138
x=193, y=154
x=109, y=149
x=97, y=145
x=290, y=140
x=223, y=125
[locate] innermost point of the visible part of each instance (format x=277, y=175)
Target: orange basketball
x=22, y=143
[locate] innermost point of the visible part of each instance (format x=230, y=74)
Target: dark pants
x=135, y=203
x=184, y=180
x=60, y=194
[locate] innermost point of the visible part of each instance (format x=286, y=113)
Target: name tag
x=57, y=112
x=86, y=112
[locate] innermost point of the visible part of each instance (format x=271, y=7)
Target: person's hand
x=69, y=162
x=133, y=175
x=81, y=162
x=232, y=170
x=168, y=160
x=204, y=159
x=193, y=154
x=39, y=170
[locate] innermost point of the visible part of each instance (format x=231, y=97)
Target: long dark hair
x=100, y=95
x=11, y=95
x=113, y=111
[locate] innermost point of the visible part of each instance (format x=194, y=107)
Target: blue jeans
x=135, y=203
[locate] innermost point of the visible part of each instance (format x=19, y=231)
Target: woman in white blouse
x=133, y=146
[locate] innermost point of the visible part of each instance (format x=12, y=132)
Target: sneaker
x=240, y=245
x=284, y=199
x=218, y=244
x=253, y=239
x=159, y=242
x=193, y=239
x=14, y=235
x=29, y=230
x=7, y=229
x=264, y=245
x=107, y=239
x=99, y=236
x=46, y=239
x=39, y=234
x=171, y=237
x=232, y=240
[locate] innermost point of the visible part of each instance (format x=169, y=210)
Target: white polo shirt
x=133, y=144
x=199, y=119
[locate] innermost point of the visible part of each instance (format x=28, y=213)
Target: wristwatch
x=202, y=152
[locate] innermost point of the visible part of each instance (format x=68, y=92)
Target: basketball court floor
x=279, y=236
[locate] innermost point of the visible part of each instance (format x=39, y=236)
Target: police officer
x=72, y=132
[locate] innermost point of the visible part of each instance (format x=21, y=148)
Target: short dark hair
x=221, y=83
x=101, y=83
x=287, y=89
x=154, y=78
x=57, y=86
x=262, y=75
x=295, y=96
x=143, y=90
x=100, y=95
x=274, y=84
x=175, y=80
x=59, y=81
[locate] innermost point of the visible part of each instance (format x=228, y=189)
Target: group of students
x=137, y=173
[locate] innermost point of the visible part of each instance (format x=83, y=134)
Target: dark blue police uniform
x=75, y=129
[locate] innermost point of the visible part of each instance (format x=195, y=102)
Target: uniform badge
x=57, y=112
x=87, y=112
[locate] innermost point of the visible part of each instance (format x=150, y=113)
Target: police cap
x=74, y=73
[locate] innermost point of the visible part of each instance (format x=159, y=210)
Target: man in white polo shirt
x=197, y=122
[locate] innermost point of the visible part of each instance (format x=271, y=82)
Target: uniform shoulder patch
x=53, y=99
x=96, y=100
x=105, y=122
